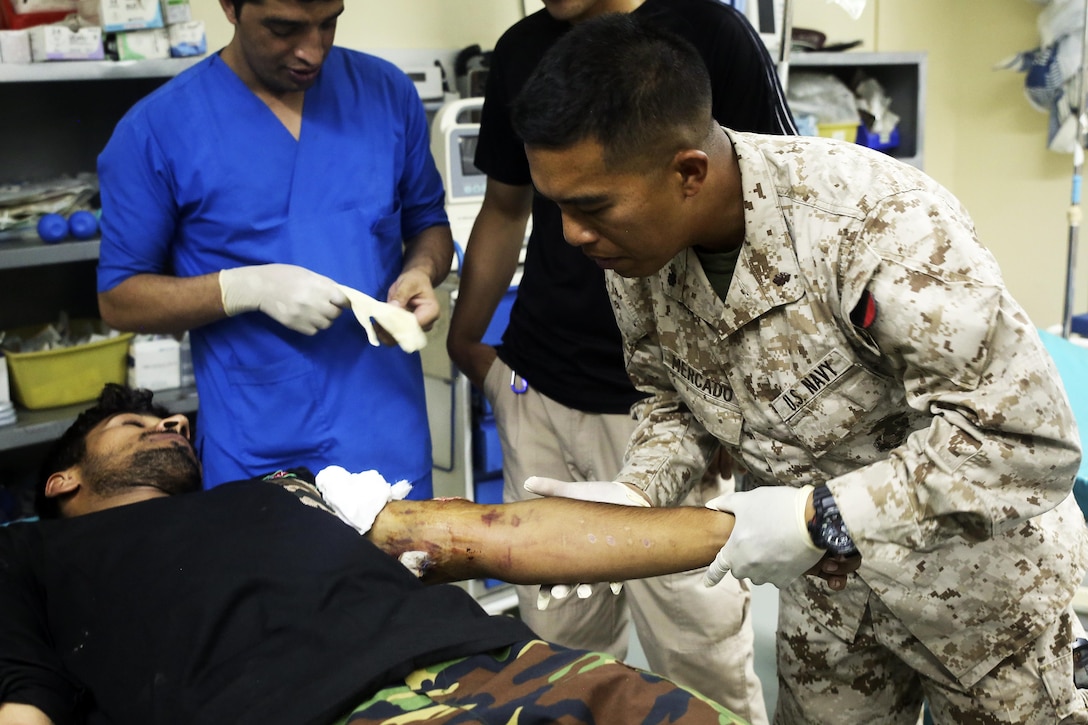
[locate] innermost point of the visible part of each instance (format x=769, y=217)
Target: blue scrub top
x=200, y=176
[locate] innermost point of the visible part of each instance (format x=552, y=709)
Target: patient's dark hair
x=70, y=448
x=635, y=88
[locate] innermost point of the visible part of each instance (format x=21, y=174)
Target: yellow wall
x=982, y=138
x=398, y=23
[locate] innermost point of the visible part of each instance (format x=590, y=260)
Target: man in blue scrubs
x=236, y=197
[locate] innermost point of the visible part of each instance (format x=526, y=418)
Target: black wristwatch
x=827, y=528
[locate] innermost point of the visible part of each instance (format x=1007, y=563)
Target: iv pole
x=1074, y=213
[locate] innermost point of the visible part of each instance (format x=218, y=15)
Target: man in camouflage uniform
x=829, y=316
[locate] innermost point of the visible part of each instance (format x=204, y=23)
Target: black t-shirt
x=562, y=336
x=234, y=605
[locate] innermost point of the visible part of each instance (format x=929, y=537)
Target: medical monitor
x=465, y=181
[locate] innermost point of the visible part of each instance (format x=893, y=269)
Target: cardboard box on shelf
x=176, y=11
x=14, y=46
x=187, y=39
x=120, y=15
x=188, y=380
x=154, y=363
x=59, y=42
x=142, y=44
x=5, y=387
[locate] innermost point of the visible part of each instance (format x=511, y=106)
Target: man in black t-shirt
x=557, y=384
x=139, y=598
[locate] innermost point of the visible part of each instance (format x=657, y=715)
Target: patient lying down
x=141, y=598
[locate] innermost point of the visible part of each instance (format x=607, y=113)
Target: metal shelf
x=54, y=126
x=32, y=252
x=855, y=58
x=93, y=70
x=40, y=426
x=903, y=77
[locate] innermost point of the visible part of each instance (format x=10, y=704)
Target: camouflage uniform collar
x=767, y=273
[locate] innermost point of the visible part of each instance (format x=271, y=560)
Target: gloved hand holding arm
x=297, y=298
x=611, y=492
x=597, y=491
x=770, y=540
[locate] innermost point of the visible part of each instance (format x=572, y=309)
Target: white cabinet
x=903, y=77
x=57, y=118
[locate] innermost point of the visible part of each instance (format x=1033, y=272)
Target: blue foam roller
x=52, y=228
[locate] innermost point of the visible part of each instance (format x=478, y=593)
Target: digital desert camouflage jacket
x=868, y=342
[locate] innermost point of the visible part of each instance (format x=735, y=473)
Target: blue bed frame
x=1072, y=363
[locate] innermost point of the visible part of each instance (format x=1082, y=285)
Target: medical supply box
x=121, y=15
x=14, y=46
x=176, y=11
x=142, y=44
x=69, y=375
x=59, y=42
x=5, y=386
x=154, y=362
x=187, y=39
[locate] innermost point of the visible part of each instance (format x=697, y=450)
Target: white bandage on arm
x=358, y=498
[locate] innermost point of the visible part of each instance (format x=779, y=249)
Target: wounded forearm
x=550, y=540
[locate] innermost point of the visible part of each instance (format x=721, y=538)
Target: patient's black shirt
x=234, y=605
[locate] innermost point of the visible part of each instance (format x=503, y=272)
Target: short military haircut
x=633, y=87
x=71, y=447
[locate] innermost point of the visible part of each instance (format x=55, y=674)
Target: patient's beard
x=172, y=470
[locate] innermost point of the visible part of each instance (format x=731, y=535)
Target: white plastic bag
x=853, y=8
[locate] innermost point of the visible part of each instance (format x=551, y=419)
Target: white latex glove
x=770, y=540
x=599, y=491
x=358, y=498
x=293, y=296
x=397, y=321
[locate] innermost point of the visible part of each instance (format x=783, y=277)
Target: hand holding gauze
x=397, y=321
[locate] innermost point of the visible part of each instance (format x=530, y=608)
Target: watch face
x=836, y=538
